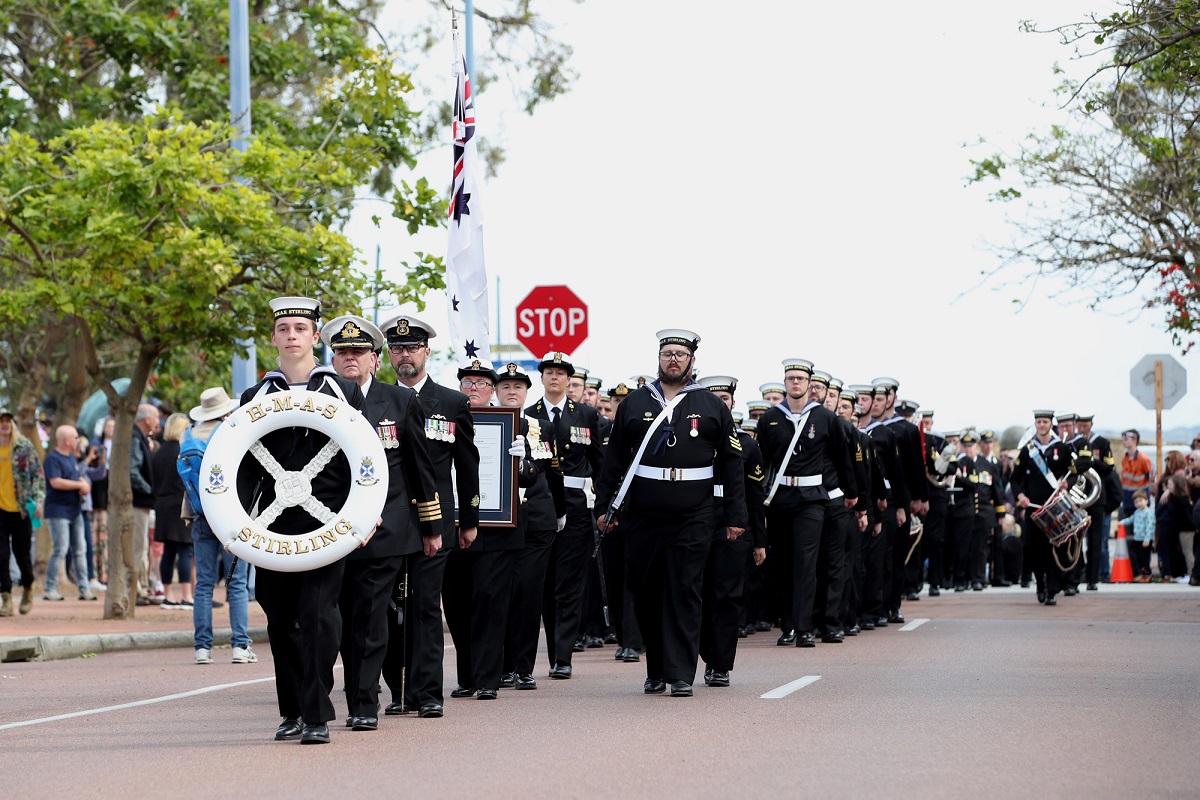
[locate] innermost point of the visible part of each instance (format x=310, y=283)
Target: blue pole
x=245, y=368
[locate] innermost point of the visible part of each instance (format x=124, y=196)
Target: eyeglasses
x=411, y=349
x=673, y=356
x=796, y=378
x=475, y=384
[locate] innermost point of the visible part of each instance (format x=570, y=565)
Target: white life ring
x=250, y=539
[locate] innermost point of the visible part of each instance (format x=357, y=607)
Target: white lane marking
x=136, y=703
x=788, y=688
x=914, y=624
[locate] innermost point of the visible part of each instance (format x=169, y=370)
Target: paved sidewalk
x=72, y=628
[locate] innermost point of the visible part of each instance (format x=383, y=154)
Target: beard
x=668, y=380
x=406, y=371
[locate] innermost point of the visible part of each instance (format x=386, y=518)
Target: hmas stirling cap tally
x=296, y=307
x=891, y=384
x=678, y=336
x=772, y=386
x=351, y=330
x=719, y=383
x=513, y=371
x=404, y=328
x=822, y=378
x=802, y=364
x=556, y=359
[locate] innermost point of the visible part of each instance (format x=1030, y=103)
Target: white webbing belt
x=574, y=482
x=637, y=459
x=673, y=473
x=801, y=480
x=779, y=477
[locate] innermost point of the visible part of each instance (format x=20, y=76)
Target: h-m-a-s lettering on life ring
x=341, y=531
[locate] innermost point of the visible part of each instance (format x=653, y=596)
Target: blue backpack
x=191, y=455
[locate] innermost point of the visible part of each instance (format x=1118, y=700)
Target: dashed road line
x=788, y=688
x=914, y=624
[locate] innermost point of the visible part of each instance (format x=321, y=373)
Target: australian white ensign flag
x=466, y=277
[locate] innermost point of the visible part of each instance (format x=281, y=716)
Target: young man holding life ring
x=303, y=622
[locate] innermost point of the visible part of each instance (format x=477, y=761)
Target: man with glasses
x=671, y=442
x=450, y=438
x=410, y=522
x=574, y=428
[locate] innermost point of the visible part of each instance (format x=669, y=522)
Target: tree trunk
x=76, y=389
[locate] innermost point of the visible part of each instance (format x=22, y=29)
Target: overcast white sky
x=788, y=180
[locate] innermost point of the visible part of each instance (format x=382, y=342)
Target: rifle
x=399, y=604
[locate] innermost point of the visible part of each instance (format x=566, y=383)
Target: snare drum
x=1059, y=518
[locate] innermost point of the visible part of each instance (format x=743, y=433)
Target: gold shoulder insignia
x=737, y=444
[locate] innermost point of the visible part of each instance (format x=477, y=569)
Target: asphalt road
x=992, y=696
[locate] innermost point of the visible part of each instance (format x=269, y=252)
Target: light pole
x=245, y=368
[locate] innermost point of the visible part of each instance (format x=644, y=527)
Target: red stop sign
x=551, y=318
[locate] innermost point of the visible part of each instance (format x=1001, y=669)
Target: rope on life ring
x=251, y=539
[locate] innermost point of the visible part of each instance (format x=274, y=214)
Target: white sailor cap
x=884, y=382
x=719, y=383
x=772, y=386
x=556, y=359
x=296, y=307
x=678, y=336
x=802, y=364
x=821, y=377
x=404, y=328
x=513, y=371
x=351, y=330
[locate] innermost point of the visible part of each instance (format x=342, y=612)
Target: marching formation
x=651, y=516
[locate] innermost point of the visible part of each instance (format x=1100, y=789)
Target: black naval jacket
x=872, y=489
x=887, y=463
x=910, y=461
x=756, y=474
x=544, y=502
x=443, y=407
x=822, y=438
x=413, y=508
x=991, y=490
x=1027, y=478
x=716, y=444
x=578, y=443
x=829, y=472
x=294, y=448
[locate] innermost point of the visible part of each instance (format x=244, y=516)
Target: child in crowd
x=1140, y=543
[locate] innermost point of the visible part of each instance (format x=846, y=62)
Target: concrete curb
x=52, y=648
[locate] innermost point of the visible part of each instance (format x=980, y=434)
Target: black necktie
x=556, y=414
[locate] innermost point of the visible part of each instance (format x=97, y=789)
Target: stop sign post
x=1158, y=381
x=551, y=318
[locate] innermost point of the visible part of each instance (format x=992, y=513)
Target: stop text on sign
x=540, y=322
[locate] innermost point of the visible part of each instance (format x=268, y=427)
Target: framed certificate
x=495, y=428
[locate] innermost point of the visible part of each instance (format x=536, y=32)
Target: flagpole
x=469, y=12
x=245, y=368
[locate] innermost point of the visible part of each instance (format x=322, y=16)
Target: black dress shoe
x=1051, y=601
x=560, y=671
x=620, y=654
x=762, y=626
x=1093, y=587
x=852, y=630
x=867, y=625
x=681, y=689
x=632, y=656
x=896, y=617
x=366, y=724
x=611, y=638
x=526, y=682
x=579, y=646
x=935, y=591
x=1024, y=584
x=786, y=639
x=315, y=734
x=594, y=641
x=976, y=587
x=462, y=691
x=708, y=673
x=508, y=680
x=743, y=632
x=833, y=637
x=654, y=686
x=1006, y=584
x=960, y=587
x=805, y=639
x=912, y=596
x=350, y=721
x=1041, y=597
x=289, y=729
x=1070, y=591
x=487, y=694
x=719, y=678
x=394, y=710
x=430, y=710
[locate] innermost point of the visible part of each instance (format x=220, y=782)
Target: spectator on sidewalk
x=1136, y=471
x=141, y=477
x=65, y=488
x=215, y=405
x=1178, y=504
x=169, y=528
x=91, y=471
x=103, y=450
x=21, y=486
x=1141, y=522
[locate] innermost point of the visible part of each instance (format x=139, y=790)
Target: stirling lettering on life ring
x=342, y=530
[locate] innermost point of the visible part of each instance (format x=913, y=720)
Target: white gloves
x=517, y=448
x=560, y=523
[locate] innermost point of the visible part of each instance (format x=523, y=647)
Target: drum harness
x=1074, y=544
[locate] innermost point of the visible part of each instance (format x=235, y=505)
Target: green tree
x=1112, y=194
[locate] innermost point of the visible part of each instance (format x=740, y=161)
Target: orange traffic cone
x=1122, y=570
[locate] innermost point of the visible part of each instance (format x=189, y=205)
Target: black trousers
x=665, y=559
x=874, y=552
x=795, y=537
x=723, y=599
x=962, y=521
x=996, y=550
x=853, y=564
x=305, y=629
x=477, y=598
x=831, y=566
x=1096, y=532
x=620, y=599
x=1014, y=557
x=367, y=589
x=16, y=529
x=592, y=623
x=898, y=546
x=525, y=602
x=1043, y=567
x=563, y=600
x=416, y=649
x=933, y=541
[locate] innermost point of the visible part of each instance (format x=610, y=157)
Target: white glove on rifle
x=517, y=448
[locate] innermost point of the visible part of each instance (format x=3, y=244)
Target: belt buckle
x=673, y=473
